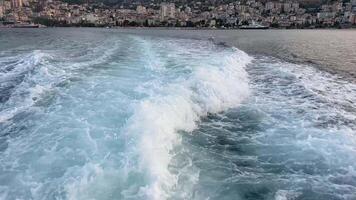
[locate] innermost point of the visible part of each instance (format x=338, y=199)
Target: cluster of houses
x=278, y=14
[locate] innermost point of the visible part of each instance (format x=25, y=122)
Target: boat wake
x=139, y=117
x=178, y=106
x=186, y=84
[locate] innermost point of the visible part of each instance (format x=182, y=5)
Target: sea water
x=98, y=114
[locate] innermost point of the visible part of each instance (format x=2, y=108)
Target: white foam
x=286, y=195
x=336, y=91
x=30, y=88
x=178, y=106
x=41, y=74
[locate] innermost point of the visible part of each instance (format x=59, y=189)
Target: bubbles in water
x=151, y=118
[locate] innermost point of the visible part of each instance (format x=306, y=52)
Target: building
x=269, y=5
x=352, y=19
x=353, y=2
x=287, y=7
x=276, y=13
x=16, y=4
x=6, y=5
x=167, y=11
x=295, y=6
x=188, y=10
x=325, y=15
x=2, y=11
x=353, y=5
x=141, y=10
x=337, y=7
x=91, y=18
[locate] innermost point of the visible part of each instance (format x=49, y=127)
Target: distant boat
x=26, y=26
x=254, y=25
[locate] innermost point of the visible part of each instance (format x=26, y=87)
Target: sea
x=156, y=114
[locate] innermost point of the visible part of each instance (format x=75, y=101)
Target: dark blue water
x=103, y=114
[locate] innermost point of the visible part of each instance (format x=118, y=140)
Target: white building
x=352, y=18
x=287, y=7
x=325, y=15
x=92, y=18
x=167, y=11
x=141, y=10
x=16, y=4
x=269, y=5
x=1, y=11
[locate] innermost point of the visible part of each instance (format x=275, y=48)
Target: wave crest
x=178, y=107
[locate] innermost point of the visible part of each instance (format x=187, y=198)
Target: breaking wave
x=101, y=115
x=181, y=91
x=177, y=107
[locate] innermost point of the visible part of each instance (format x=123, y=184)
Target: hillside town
x=200, y=14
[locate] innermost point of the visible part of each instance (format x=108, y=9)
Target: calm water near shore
x=177, y=114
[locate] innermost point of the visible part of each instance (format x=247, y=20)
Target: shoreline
x=178, y=28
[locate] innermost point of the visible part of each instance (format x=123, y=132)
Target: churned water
x=99, y=114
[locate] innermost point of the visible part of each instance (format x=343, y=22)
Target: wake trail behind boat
x=101, y=114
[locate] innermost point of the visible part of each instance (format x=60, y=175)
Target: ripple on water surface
x=102, y=115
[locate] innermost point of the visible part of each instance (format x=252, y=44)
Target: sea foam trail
x=24, y=79
x=112, y=121
x=216, y=84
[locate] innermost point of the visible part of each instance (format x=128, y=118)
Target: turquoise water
x=97, y=114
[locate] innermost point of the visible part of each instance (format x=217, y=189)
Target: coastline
x=185, y=28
